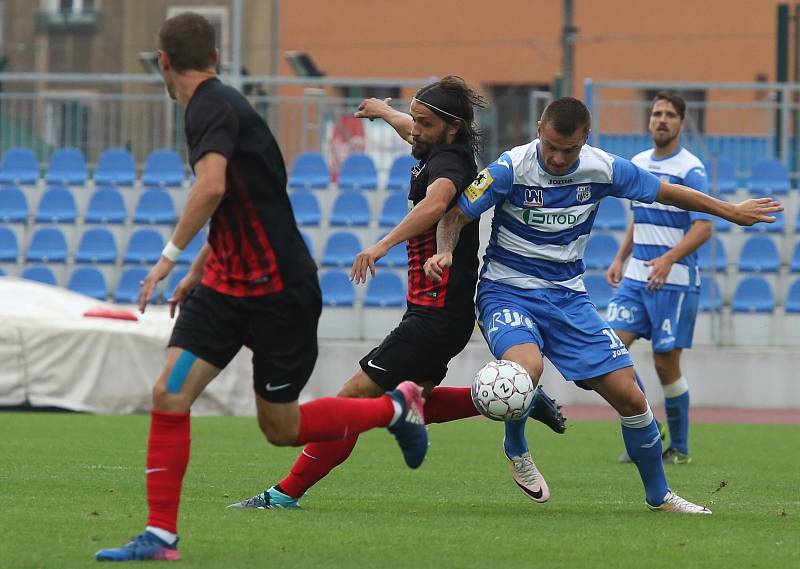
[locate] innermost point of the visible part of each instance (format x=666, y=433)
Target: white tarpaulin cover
x=51, y=355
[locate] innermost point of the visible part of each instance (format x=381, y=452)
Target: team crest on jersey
x=583, y=193
x=479, y=186
x=533, y=198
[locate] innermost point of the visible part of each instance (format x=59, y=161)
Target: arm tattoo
x=449, y=229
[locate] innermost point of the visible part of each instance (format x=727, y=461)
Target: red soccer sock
x=314, y=464
x=167, y=459
x=448, y=404
x=336, y=418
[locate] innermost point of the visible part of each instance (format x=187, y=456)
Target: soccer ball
x=502, y=390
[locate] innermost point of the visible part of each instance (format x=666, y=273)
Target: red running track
x=698, y=414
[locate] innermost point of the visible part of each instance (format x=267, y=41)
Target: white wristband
x=171, y=252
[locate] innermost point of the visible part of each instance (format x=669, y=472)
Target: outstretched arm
x=380, y=109
x=447, y=234
x=422, y=217
x=748, y=212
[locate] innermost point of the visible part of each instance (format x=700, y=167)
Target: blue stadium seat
x=397, y=256
x=164, y=167
x=776, y=226
x=193, y=248
x=13, y=205
x=2, y=272
x=611, y=215
x=306, y=208
x=106, y=206
x=753, y=294
x=710, y=295
x=67, y=166
x=89, y=281
x=794, y=265
x=394, y=210
x=341, y=249
x=19, y=166
x=144, y=247
x=704, y=252
x=309, y=243
x=769, y=177
x=793, y=298
x=759, y=255
x=337, y=290
x=154, y=207
x=599, y=291
x=97, y=245
x=115, y=167
x=722, y=176
x=600, y=251
x=385, y=291
x=350, y=209
x=309, y=171
x=57, y=206
x=400, y=173
x=128, y=287
x=48, y=245
x=358, y=173
x=40, y=274
x=9, y=247
x=174, y=278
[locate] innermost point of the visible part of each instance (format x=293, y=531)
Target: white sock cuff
x=167, y=536
x=676, y=389
x=638, y=421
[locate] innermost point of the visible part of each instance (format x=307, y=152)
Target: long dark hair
x=454, y=101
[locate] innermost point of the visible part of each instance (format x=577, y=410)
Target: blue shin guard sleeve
x=515, y=442
x=643, y=443
x=179, y=371
x=678, y=419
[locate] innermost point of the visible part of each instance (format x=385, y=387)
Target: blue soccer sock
x=643, y=444
x=676, y=402
x=515, y=442
x=639, y=381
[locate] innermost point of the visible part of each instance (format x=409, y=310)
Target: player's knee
x=665, y=369
x=633, y=402
x=278, y=434
x=164, y=400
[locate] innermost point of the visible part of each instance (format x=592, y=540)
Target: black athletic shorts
x=280, y=329
x=420, y=348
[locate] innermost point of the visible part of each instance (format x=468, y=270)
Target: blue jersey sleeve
x=631, y=182
x=696, y=179
x=491, y=187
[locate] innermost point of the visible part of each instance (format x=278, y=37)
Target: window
x=69, y=6
x=218, y=16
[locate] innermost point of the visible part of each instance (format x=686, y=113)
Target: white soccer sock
x=676, y=389
x=167, y=536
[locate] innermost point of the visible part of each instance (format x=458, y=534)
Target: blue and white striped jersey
x=658, y=228
x=542, y=222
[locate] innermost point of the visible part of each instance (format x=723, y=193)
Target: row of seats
x=759, y=254
x=116, y=166
x=106, y=205
x=164, y=167
x=358, y=172
x=753, y=294
x=387, y=289
x=97, y=245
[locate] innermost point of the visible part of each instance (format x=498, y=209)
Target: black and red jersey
x=455, y=162
x=256, y=248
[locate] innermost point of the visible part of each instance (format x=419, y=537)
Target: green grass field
x=72, y=484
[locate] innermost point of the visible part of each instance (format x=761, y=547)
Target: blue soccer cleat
x=269, y=499
x=545, y=410
x=144, y=547
x=409, y=429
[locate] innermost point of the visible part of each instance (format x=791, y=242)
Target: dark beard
x=427, y=148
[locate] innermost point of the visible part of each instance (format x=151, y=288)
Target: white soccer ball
x=502, y=390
